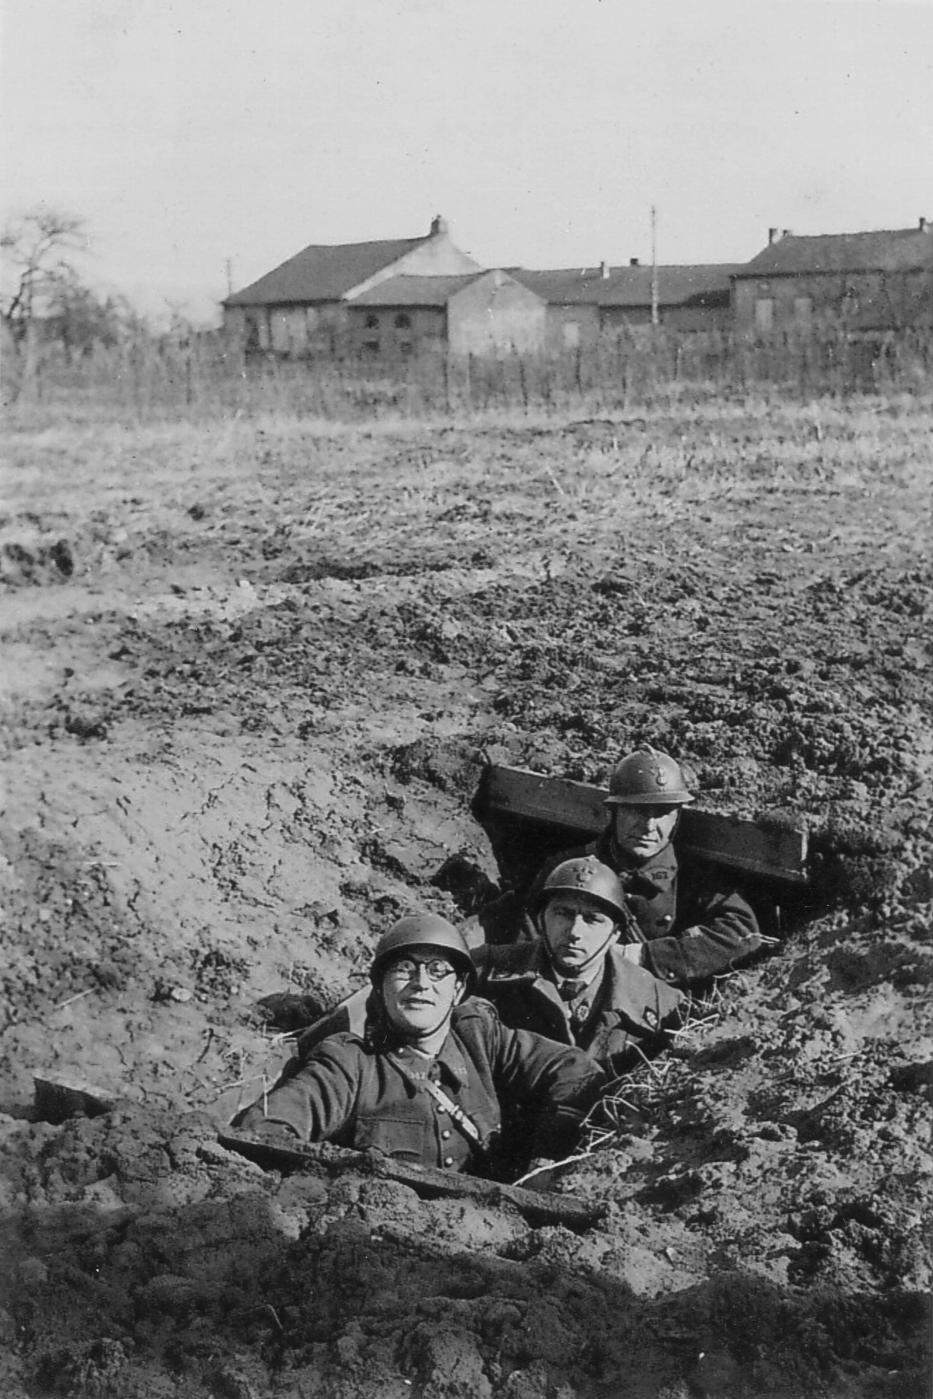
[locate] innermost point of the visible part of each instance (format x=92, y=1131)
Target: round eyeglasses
x=407, y=968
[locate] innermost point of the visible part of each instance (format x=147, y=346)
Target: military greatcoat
x=617, y=1020
x=355, y=1094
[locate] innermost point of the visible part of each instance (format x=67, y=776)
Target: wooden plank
x=427, y=1181
x=57, y=1099
x=776, y=851
x=780, y=852
x=556, y=801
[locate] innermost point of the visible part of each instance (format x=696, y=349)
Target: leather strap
x=465, y=1123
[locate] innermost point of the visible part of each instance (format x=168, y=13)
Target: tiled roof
x=322, y=273
x=889, y=250
x=414, y=291
x=628, y=286
x=560, y=285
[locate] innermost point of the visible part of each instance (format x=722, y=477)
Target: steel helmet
x=648, y=778
x=424, y=930
x=586, y=875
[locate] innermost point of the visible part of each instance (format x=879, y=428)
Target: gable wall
x=435, y=257
x=495, y=314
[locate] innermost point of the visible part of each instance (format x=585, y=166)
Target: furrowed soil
x=251, y=674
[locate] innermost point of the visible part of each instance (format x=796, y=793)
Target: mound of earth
x=254, y=671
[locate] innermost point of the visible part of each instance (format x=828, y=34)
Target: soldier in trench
x=676, y=924
x=571, y=982
x=684, y=922
x=426, y=1073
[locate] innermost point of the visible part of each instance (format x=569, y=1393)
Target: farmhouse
x=301, y=307
x=584, y=303
x=398, y=297
x=860, y=281
x=474, y=313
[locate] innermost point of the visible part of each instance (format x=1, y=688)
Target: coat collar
x=450, y=1059
x=529, y=963
x=627, y=988
x=452, y=1062
x=655, y=876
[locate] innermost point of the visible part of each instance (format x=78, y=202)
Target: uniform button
x=444, y=1136
x=448, y=1160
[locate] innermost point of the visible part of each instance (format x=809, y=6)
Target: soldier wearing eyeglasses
x=424, y=1073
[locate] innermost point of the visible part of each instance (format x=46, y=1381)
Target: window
x=851, y=300
x=403, y=341
x=371, y=342
x=571, y=333
x=764, y=314
x=803, y=309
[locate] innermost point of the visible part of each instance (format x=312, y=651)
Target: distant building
x=476, y=313
x=302, y=306
x=880, y=281
x=398, y=297
x=586, y=302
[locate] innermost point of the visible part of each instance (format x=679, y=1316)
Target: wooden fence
x=206, y=376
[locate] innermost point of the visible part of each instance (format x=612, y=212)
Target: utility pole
x=654, y=266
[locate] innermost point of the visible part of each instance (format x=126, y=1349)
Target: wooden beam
x=776, y=851
x=427, y=1181
x=57, y=1099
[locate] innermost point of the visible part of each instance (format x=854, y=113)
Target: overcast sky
x=186, y=134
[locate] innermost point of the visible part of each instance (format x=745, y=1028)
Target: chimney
x=787, y=233
x=774, y=236
x=604, y=271
x=633, y=262
x=438, y=226
x=924, y=225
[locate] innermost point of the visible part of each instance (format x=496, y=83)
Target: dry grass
x=635, y=1100
x=208, y=378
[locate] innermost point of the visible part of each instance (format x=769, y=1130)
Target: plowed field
x=251, y=673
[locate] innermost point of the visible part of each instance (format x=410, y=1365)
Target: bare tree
x=37, y=252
